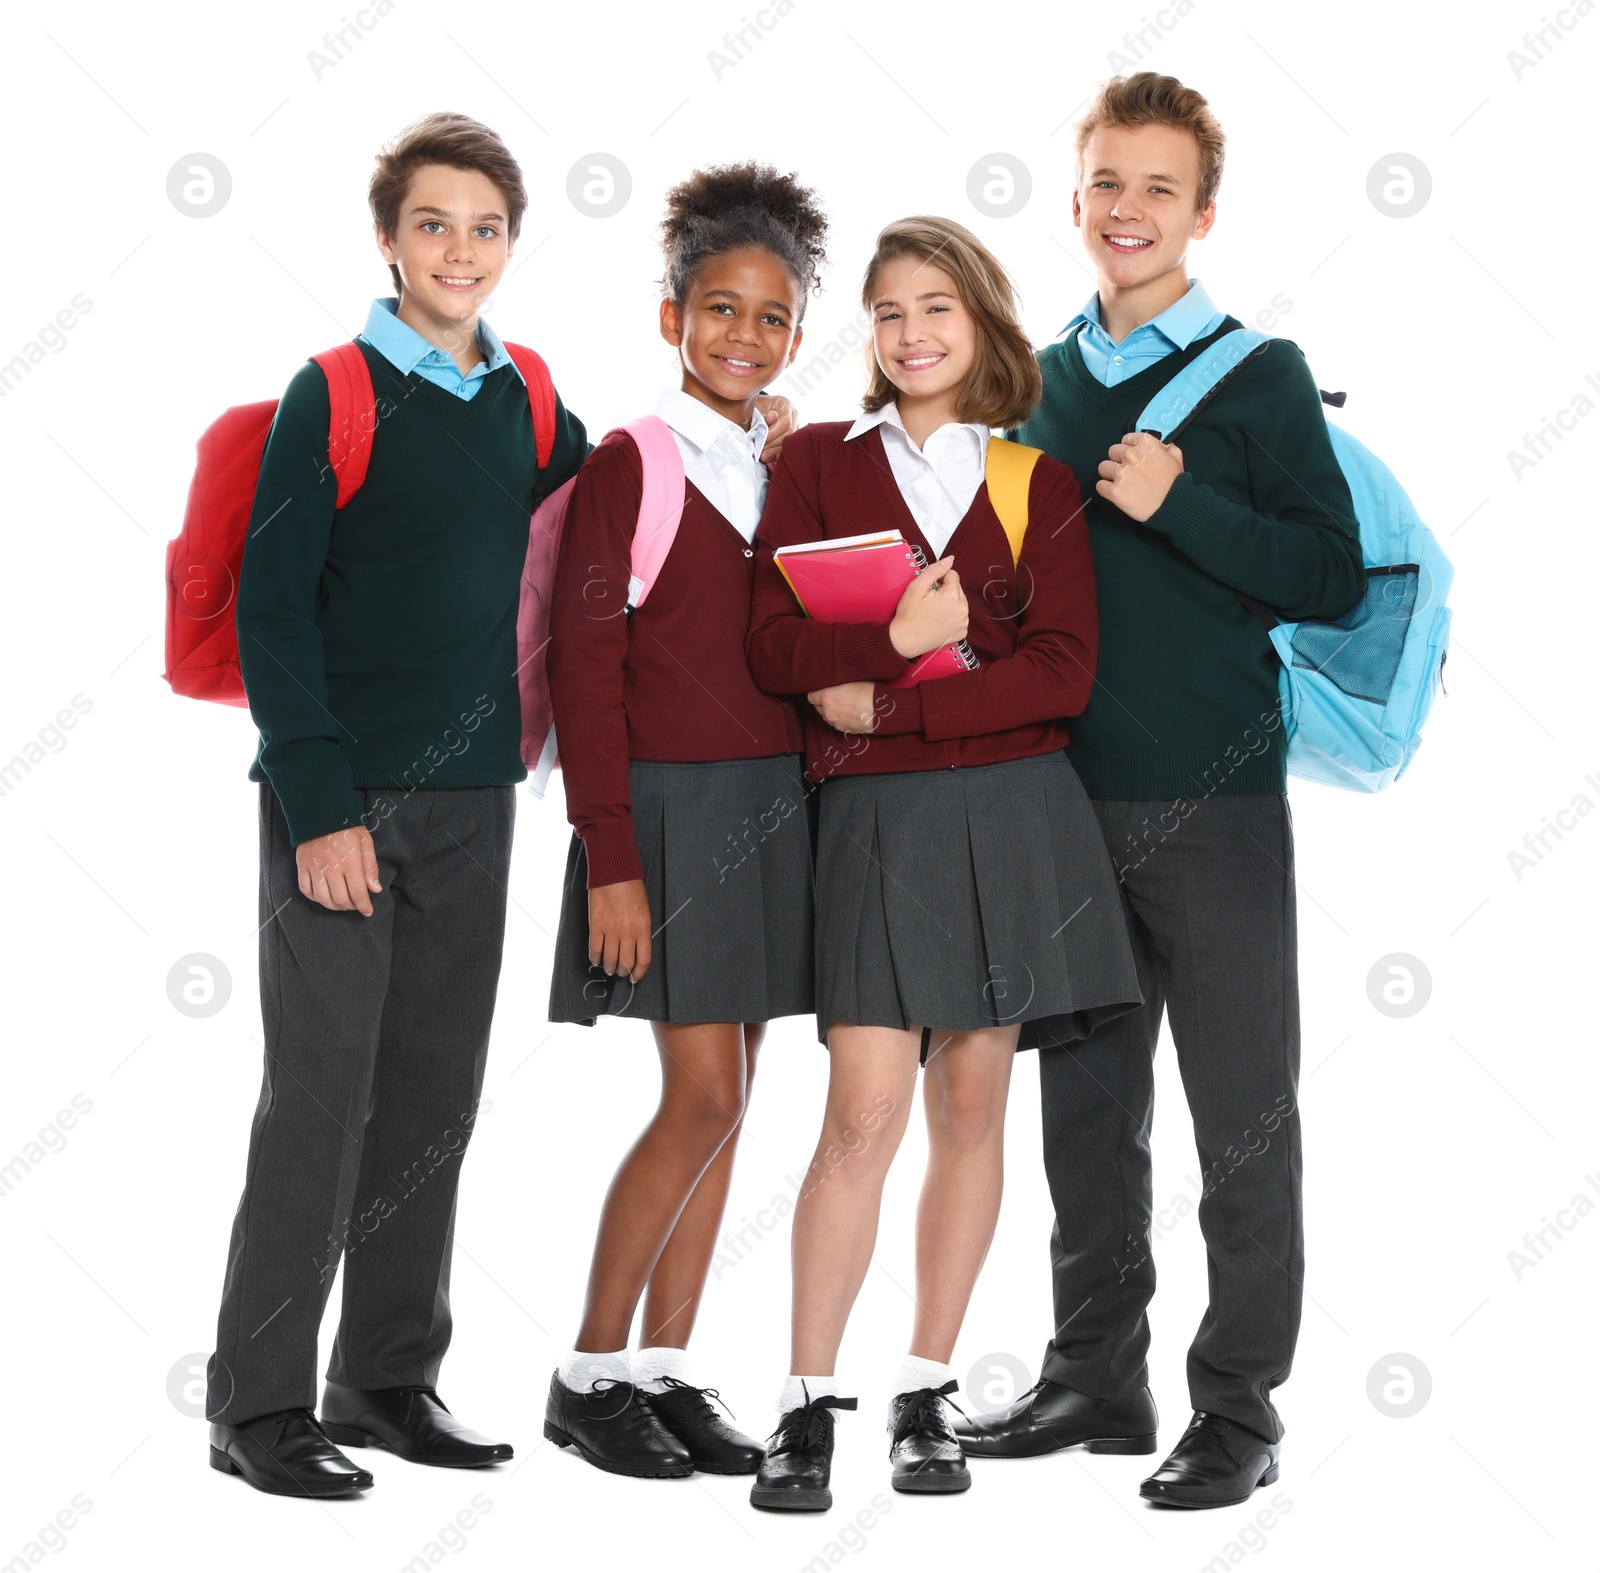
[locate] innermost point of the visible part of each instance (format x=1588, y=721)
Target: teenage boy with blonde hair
x=1182, y=751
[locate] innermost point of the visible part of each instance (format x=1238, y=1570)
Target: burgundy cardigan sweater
x=1033, y=628
x=668, y=681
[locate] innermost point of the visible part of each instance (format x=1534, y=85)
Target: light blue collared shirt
x=406, y=349
x=1191, y=317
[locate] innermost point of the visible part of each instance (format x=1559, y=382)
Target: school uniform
x=378, y=648
x=679, y=771
x=961, y=879
x=1182, y=751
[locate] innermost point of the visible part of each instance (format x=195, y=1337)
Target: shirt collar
x=1181, y=323
x=405, y=349
x=703, y=426
x=889, y=414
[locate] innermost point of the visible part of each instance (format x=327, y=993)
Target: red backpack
x=203, y=562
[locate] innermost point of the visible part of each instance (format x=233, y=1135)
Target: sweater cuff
x=898, y=709
x=612, y=851
x=311, y=812
x=868, y=654
x=1184, y=513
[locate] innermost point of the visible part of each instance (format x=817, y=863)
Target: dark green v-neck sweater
x=1185, y=700
x=378, y=642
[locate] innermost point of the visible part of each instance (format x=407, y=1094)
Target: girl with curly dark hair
x=688, y=889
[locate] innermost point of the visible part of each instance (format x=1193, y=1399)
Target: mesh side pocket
x=1360, y=653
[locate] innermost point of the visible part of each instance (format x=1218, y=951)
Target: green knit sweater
x=378, y=642
x=1185, y=699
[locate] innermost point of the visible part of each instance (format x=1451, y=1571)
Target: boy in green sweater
x=1182, y=750
x=378, y=647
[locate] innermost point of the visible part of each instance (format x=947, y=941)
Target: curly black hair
x=724, y=207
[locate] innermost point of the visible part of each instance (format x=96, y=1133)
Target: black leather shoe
x=1216, y=1463
x=409, y=1421
x=794, y=1474
x=925, y=1453
x=715, y=1447
x=1051, y=1416
x=286, y=1453
x=613, y=1428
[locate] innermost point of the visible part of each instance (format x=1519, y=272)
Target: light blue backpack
x=1355, y=691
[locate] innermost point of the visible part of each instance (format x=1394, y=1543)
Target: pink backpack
x=660, y=508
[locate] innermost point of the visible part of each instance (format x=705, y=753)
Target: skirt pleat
x=727, y=862
x=956, y=900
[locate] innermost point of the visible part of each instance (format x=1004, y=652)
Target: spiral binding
x=963, y=649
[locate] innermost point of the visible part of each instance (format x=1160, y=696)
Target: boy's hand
x=619, y=929
x=846, y=707
x=339, y=869
x=779, y=414
x=1138, y=473
x=932, y=612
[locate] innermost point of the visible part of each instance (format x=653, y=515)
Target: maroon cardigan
x=1034, y=629
x=668, y=681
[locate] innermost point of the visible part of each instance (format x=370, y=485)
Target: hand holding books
x=931, y=613
x=883, y=578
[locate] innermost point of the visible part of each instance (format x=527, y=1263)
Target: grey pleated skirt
x=727, y=854
x=960, y=899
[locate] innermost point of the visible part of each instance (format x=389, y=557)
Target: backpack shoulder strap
x=541, y=397
x=352, y=410
x=1189, y=390
x=1008, y=473
x=660, y=502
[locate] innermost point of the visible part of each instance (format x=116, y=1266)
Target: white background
x=1432, y=1142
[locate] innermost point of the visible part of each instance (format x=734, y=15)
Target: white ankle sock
x=650, y=1365
x=580, y=1370
x=799, y=1390
x=915, y=1373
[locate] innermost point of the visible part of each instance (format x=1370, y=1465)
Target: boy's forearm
x=1297, y=562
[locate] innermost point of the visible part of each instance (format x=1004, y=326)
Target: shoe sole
x=554, y=1433
x=348, y=1436
x=1267, y=1479
x=931, y=1484
x=225, y=1465
x=779, y=1500
x=1098, y=1444
x=718, y=1469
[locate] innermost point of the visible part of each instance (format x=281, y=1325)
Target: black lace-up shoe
x=1050, y=1416
x=794, y=1474
x=410, y=1421
x=286, y=1453
x=924, y=1450
x=1216, y=1463
x=614, y=1430
x=688, y=1413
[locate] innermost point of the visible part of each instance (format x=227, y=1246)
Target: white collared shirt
x=722, y=459
x=937, y=480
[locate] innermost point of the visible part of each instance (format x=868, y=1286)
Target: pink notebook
x=860, y=579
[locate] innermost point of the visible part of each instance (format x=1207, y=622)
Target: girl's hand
x=619, y=929
x=1138, y=473
x=846, y=707
x=932, y=612
x=780, y=416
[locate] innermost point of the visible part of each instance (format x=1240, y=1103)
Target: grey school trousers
x=376, y=1030
x=1209, y=896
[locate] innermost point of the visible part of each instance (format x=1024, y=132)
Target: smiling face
x=452, y=246
x=1135, y=204
x=738, y=326
x=923, y=335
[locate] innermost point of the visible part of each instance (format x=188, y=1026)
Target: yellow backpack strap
x=1008, y=473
